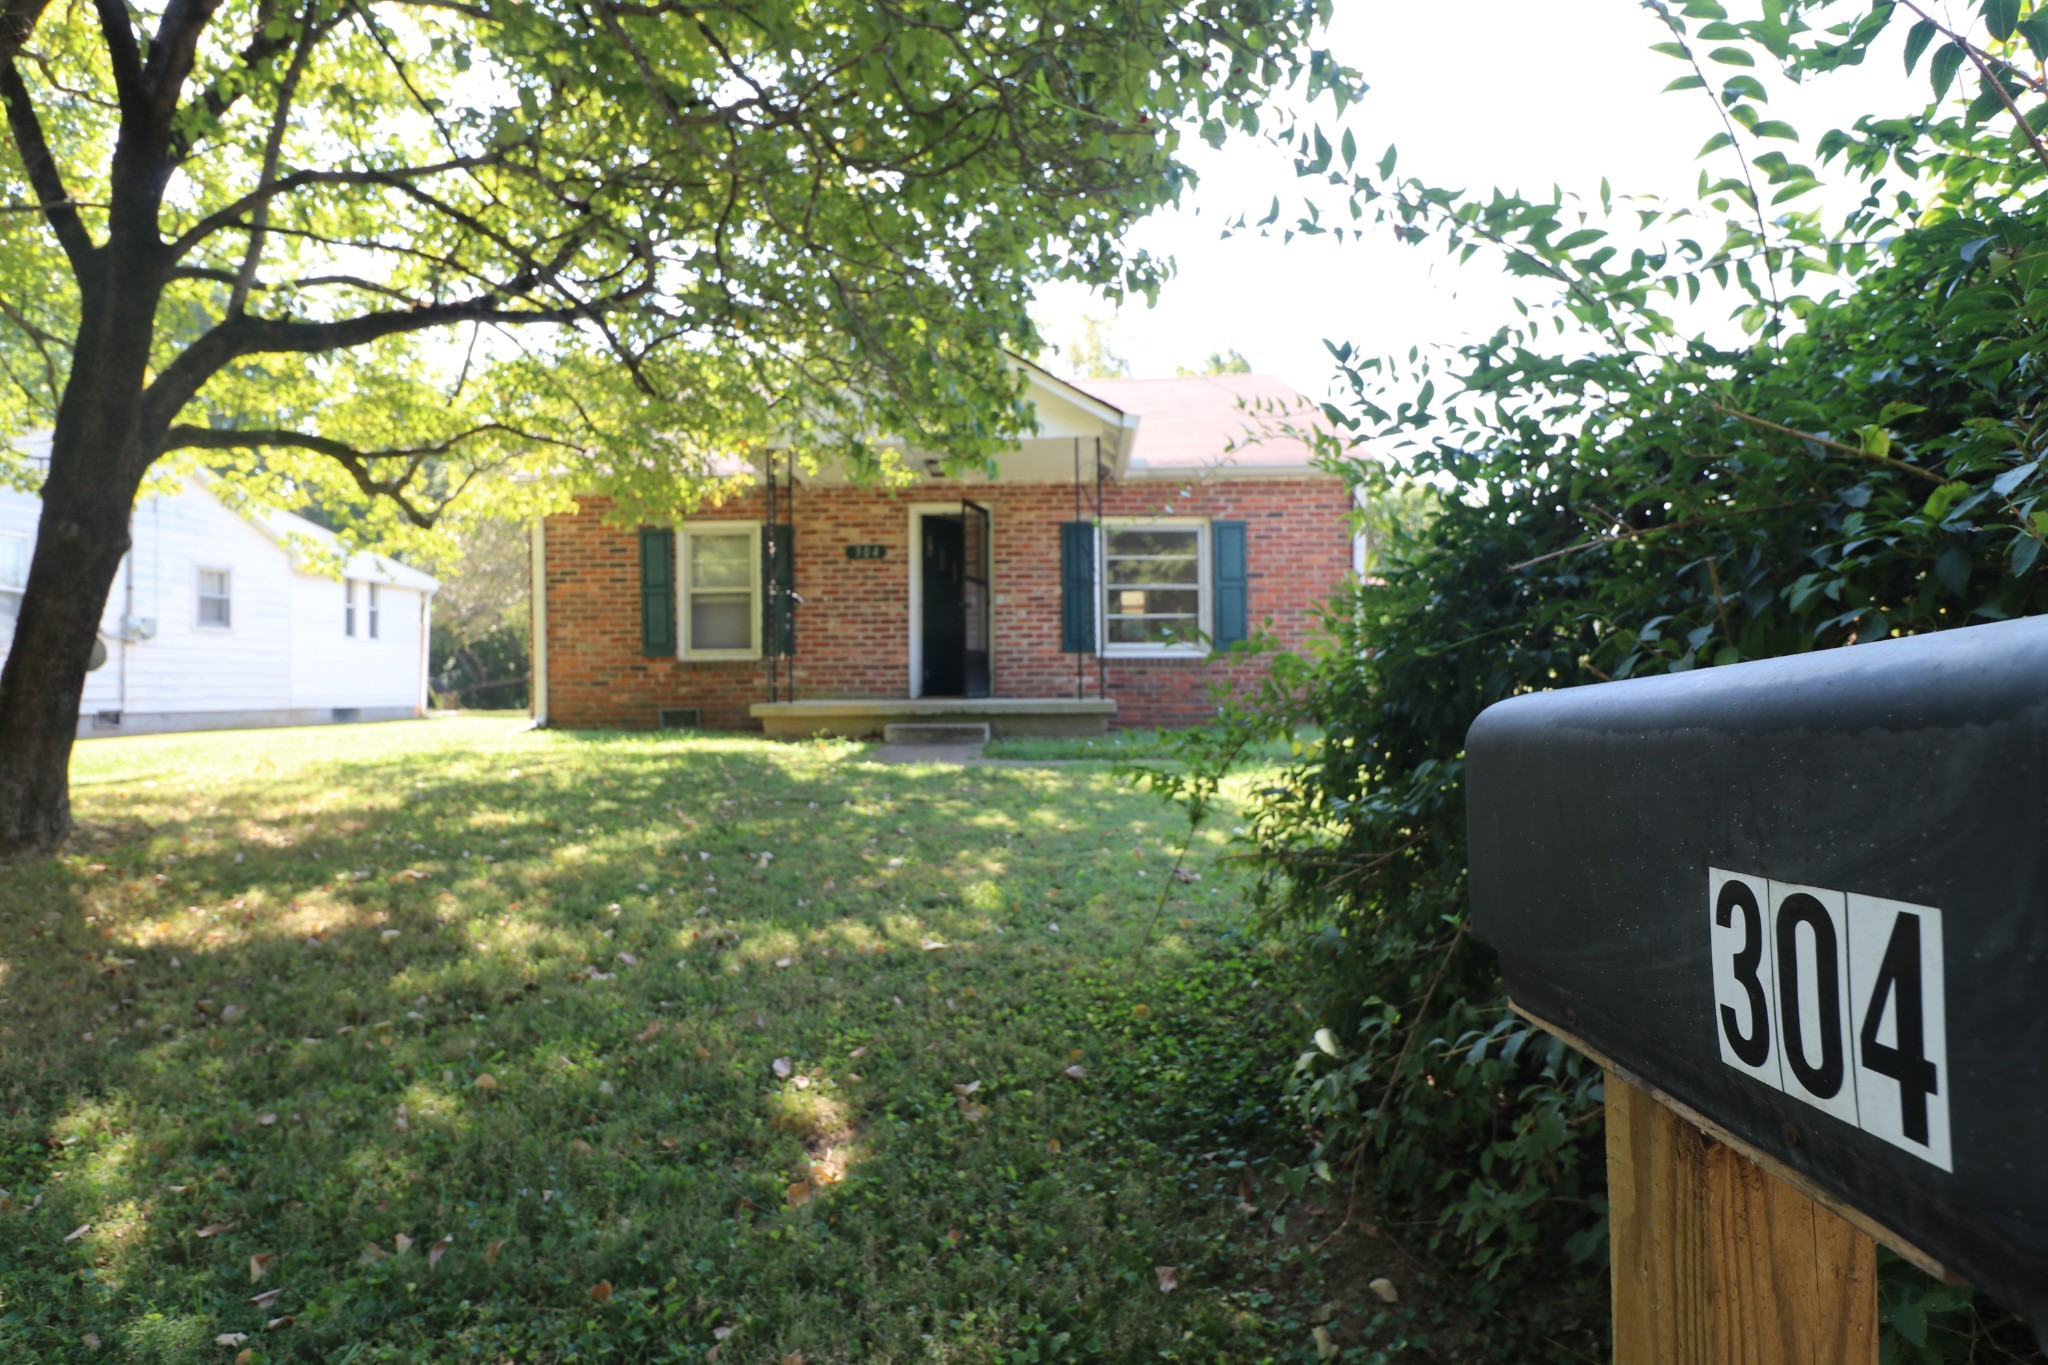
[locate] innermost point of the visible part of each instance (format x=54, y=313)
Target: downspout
x=538, y=704
x=127, y=618
x=426, y=648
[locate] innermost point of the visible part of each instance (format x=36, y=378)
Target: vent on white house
x=106, y=720
x=345, y=714
x=682, y=717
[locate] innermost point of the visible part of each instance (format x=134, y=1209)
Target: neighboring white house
x=219, y=621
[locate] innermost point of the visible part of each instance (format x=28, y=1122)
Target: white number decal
x=1835, y=999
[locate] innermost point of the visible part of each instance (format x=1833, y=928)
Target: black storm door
x=975, y=603
x=942, y=569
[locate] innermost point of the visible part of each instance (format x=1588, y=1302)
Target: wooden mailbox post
x=1798, y=909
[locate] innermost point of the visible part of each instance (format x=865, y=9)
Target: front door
x=943, y=571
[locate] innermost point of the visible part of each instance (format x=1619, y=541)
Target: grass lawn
x=442, y=1041
x=1115, y=746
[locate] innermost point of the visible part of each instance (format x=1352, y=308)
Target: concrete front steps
x=936, y=732
x=997, y=717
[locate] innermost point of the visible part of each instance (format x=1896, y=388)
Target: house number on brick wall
x=867, y=552
x=1835, y=999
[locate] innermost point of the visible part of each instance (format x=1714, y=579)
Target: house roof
x=1211, y=422
x=288, y=527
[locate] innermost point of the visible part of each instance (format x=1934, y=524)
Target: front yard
x=443, y=1041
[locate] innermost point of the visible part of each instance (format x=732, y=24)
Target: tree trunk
x=96, y=468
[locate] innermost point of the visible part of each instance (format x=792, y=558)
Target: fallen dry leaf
x=963, y=1091
x=438, y=1250
x=215, y=1229
x=1141, y=1011
x=484, y=1082
x=491, y=1251
x=403, y=1243
x=580, y=1147
x=721, y=1333
x=647, y=1035
x=785, y=961
x=703, y=1054
x=279, y=1324
x=232, y=1013
x=1076, y=1072
x=602, y=1291
x=781, y=1066
x=267, y=1297
x=973, y=1113
x=259, y=1265
x=1383, y=1289
x=793, y=1358
x=91, y=1340
x=858, y=1052
x=629, y=959
x=84, y=1228
x=1052, y=1145
x=372, y=1253
x=798, y=1194
x=1169, y=1277
x=265, y=1119
x=1326, y=1345
x=408, y=874
x=231, y=1338
x=246, y=1357
x=931, y=945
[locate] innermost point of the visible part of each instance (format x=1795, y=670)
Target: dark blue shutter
x=1077, y=587
x=657, y=591
x=778, y=590
x=1231, y=592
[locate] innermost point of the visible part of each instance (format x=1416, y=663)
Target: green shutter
x=778, y=590
x=657, y=592
x=1229, y=582
x=1077, y=587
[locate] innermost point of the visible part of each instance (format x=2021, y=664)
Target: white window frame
x=200, y=597
x=1205, y=588
x=752, y=531
x=348, y=607
x=11, y=593
x=373, y=611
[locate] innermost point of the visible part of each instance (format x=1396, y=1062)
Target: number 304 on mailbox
x=1836, y=999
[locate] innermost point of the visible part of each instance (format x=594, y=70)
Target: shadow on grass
x=652, y=1038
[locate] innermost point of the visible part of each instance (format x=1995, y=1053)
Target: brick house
x=1098, y=575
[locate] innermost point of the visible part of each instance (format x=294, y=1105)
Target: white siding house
x=220, y=621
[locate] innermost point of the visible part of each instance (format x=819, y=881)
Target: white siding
x=331, y=668
x=282, y=656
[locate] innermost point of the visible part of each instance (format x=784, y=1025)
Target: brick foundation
x=853, y=628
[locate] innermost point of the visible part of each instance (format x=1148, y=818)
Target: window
x=721, y=591
x=215, y=605
x=13, y=573
x=373, y=611
x=1155, y=587
x=348, y=606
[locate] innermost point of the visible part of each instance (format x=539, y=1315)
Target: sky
x=1515, y=93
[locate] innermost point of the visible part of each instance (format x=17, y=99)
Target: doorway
x=951, y=643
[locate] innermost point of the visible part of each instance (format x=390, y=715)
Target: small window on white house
x=1155, y=587
x=348, y=606
x=721, y=591
x=13, y=573
x=373, y=611
x=216, y=607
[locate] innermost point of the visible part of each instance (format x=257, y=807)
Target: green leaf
x=1716, y=143
x=1732, y=56
x=1917, y=39
x=1387, y=163
x=2025, y=551
x=1771, y=127
x=1941, y=72
x=2001, y=16
x=2034, y=28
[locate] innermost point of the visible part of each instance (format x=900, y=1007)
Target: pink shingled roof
x=1202, y=421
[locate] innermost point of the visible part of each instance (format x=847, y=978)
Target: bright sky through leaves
x=1519, y=93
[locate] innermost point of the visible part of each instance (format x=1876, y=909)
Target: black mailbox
x=1808, y=899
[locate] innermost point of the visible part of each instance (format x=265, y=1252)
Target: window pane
x=721, y=621
x=1151, y=630
x=1155, y=602
x=213, y=611
x=13, y=562
x=213, y=583
x=1182, y=542
x=10, y=605
x=1154, y=569
x=720, y=561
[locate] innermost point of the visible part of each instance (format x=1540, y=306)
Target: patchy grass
x=441, y=1041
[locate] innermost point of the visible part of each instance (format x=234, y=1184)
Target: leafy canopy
x=412, y=246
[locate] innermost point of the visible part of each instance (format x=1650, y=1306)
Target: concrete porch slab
x=867, y=718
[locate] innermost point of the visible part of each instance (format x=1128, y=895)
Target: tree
x=1219, y=362
x=1845, y=448
x=385, y=252
x=1090, y=356
x=483, y=625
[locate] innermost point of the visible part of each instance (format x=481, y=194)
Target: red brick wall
x=853, y=636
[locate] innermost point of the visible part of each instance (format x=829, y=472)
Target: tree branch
x=394, y=178
x=43, y=175
x=18, y=19
x=117, y=27
x=273, y=146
